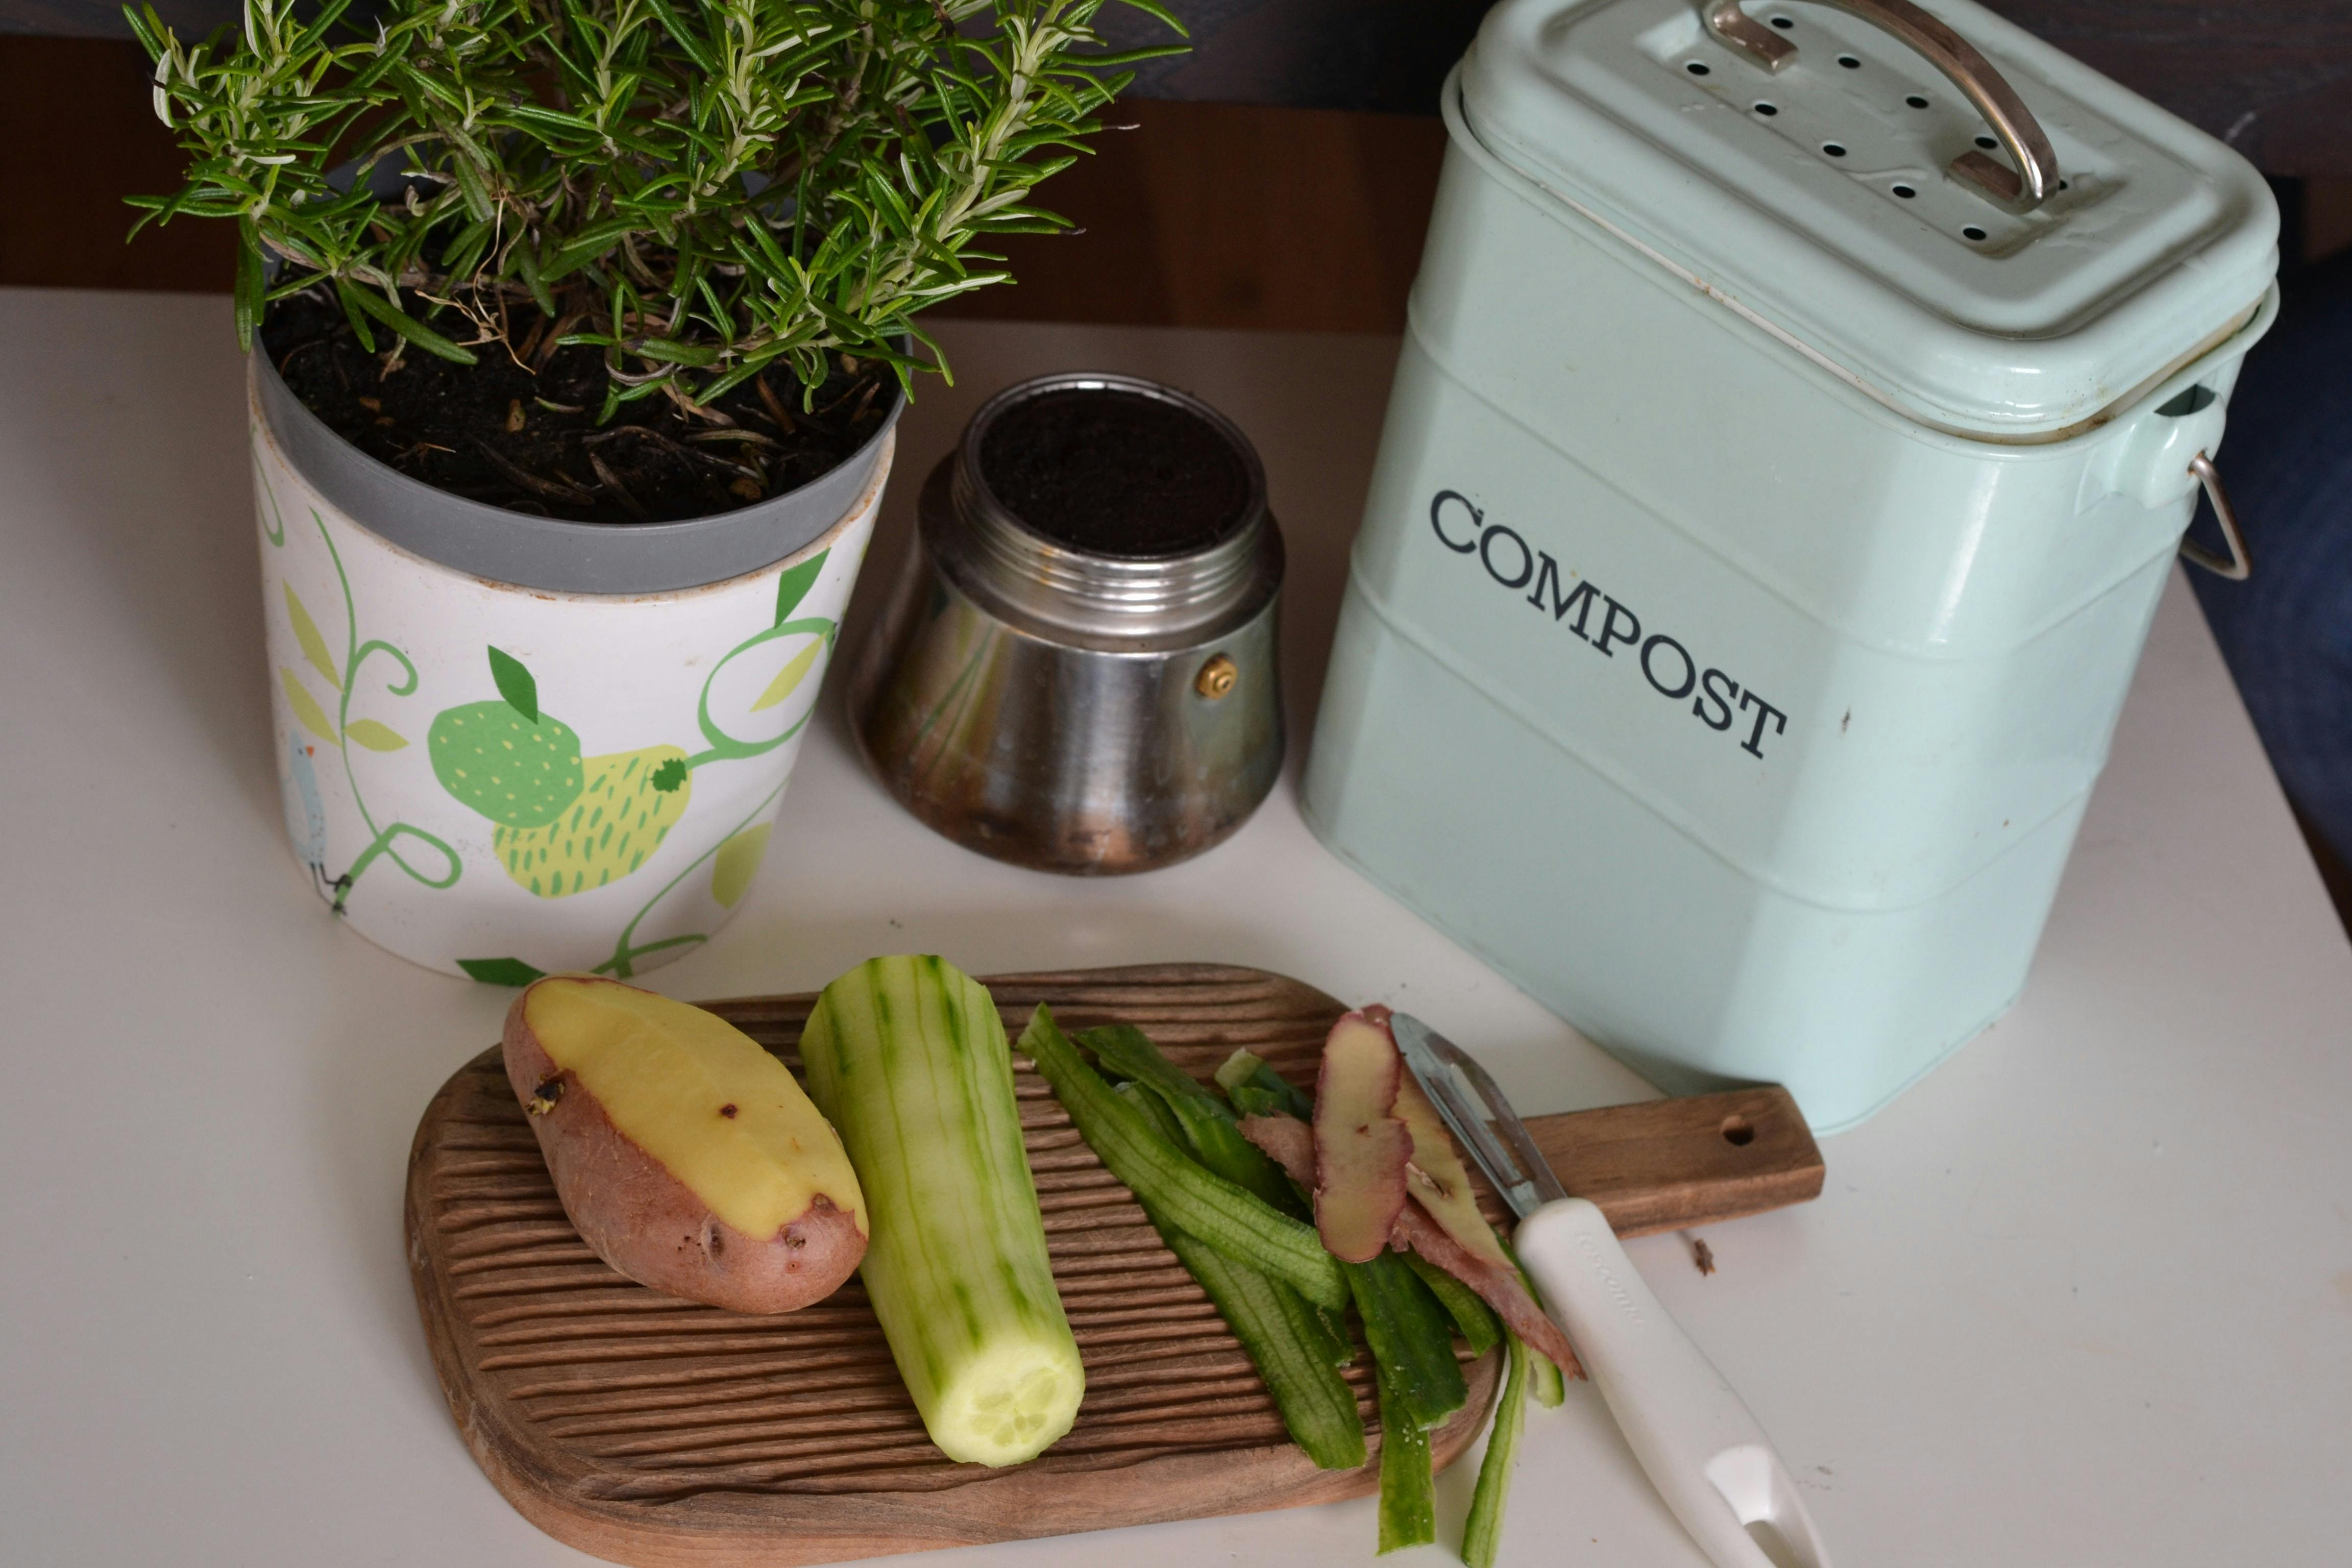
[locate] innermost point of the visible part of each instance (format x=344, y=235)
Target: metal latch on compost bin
x=2166, y=455
x=2238, y=566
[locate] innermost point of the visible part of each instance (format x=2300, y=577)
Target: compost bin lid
x=1819, y=199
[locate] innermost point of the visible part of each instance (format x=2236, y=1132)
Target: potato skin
x=649, y=1225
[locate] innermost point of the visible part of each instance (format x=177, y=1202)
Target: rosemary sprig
x=706, y=187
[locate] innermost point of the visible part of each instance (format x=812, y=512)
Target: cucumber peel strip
x=1550, y=1384
x=1412, y=1339
x=1194, y=1120
x=1208, y=1124
x=1472, y=1317
x=1408, y=1485
x=1286, y=1338
x=1482, y=1531
x=1193, y=1197
x=1243, y=1069
x=1287, y=1342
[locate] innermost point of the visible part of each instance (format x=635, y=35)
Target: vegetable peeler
x=1702, y=1449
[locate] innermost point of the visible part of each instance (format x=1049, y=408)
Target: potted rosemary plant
x=582, y=326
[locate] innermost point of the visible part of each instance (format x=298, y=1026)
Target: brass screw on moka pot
x=1216, y=677
x=1076, y=669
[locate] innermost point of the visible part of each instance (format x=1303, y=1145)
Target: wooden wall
x=1202, y=214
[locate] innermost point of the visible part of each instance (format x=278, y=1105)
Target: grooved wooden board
x=657, y=1432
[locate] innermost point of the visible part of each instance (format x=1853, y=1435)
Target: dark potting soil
x=524, y=435
x=1116, y=473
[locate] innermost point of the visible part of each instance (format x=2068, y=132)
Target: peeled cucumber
x=908, y=1059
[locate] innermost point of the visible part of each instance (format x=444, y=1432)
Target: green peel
x=1190, y=1195
x=1482, y=1531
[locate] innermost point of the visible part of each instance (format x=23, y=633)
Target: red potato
x=685, y=1155
x=1360, y=1148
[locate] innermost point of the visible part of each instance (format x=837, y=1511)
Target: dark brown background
x=2273, y=77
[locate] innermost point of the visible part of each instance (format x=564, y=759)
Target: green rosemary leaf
x=407, y=326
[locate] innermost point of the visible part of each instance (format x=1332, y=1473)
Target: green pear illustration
x=632, y=801
x=506, y=760
x=565, y=824
x=568, y=824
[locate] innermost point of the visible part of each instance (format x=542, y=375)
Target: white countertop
x=2083, y=1297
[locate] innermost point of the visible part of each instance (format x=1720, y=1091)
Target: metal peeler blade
x=1513, y=1163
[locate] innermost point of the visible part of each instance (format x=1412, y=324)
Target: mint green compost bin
x=1799, y=418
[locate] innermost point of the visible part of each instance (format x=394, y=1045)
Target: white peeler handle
x=1703, y=1450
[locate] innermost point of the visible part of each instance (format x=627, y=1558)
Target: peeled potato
x=685, y=1154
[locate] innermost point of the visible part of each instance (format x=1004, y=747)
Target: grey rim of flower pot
x=549, y=554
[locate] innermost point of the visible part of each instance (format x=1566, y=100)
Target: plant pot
x=510, y=744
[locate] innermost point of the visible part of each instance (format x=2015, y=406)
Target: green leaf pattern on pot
x=788, y=679
x=631, y=801
x=375, y=737
x=736, y=862
x=515, y=683
x=313, y=646
x=792, y=586
x=306, y=707
x=500, y=971
x=273, y=522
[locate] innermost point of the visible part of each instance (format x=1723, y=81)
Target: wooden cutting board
x=656, y=1432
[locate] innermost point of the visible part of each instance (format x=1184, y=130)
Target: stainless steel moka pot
x=1053, y=692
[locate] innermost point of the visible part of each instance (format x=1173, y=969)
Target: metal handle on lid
x=2024, y=187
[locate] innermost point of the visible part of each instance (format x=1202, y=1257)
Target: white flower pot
x=509, y=746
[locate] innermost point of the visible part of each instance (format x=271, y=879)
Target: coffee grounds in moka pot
x=1116, y=473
